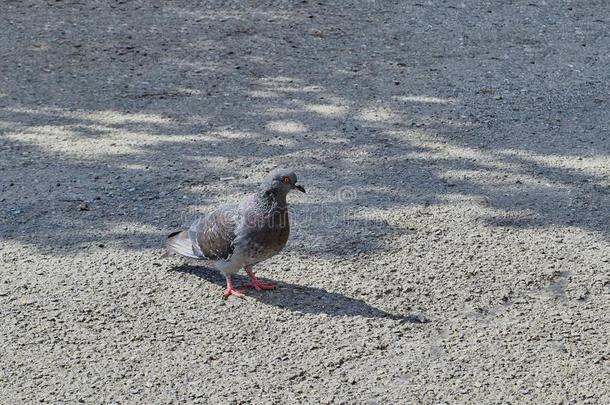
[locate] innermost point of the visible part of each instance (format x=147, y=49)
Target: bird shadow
x=302, y=299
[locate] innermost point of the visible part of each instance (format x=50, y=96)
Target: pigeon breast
x=263, y=231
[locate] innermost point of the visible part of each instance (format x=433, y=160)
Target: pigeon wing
x=212, y=235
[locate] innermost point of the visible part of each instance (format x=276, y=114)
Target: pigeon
x=237, y=235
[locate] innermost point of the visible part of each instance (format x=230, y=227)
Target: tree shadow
x=308, y=300
x=242, y=90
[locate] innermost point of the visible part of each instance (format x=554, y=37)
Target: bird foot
x=256, y=283
x=233, y=291
x=259, y=286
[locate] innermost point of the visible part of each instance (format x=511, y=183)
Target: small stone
x=317, y=33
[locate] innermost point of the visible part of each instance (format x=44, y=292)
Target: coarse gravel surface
x=453, y=245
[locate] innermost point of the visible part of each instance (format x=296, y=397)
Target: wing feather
x=212, y=235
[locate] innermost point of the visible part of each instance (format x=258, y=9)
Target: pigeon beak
x=300, y=188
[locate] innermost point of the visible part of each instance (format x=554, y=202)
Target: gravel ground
x=453, y=246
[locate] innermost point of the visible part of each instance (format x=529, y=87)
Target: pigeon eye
x=286, y=180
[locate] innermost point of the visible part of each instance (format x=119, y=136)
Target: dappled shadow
x=308, y=300
x=162, y=122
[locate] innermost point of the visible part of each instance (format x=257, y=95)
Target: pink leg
x=256, y=283
x=231, y=290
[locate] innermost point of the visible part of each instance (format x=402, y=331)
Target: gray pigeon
x=237, y=235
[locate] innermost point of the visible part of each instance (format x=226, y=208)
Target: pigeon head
x=281, y=181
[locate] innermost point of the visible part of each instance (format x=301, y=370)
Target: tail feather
x=179, y=242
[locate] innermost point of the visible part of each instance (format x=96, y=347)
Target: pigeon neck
x=274, y=196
